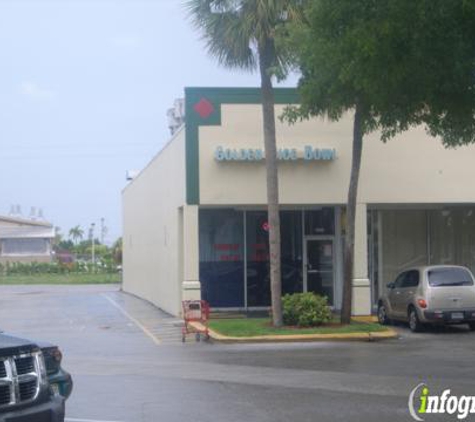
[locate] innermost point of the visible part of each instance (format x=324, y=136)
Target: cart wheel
x=197, y=337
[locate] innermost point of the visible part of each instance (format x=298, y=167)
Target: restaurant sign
x=308, y=153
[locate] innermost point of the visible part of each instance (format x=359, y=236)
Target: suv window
x=411, y=279
x=399, y=280
x=449, y=277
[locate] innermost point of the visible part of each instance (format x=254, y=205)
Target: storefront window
x=404, y=241
x=373, y=254
x=411, y=238
x=452, y=237
x=222, y=260
x=291, y=241
x=222, y=257
x=25, y=246
x=320, y=222
x=258, y=278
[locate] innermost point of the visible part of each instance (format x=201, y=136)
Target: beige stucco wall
x=152, y=228
x=411, y=168
x=415, y=168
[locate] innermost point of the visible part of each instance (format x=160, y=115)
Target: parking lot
x=129, y=365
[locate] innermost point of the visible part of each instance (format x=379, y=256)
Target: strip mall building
x=195, y=221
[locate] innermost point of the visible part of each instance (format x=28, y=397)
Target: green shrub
x=57, y=267
x=305, y=310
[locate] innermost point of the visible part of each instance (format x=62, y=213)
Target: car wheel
x=382, y=315
x=471, y=326
x=414, y=323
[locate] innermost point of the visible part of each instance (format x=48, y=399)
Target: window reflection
x=291, y=242
x=320, y=222
x=222, y=252
x=221, y=257
x=404, y=241
x=258, y=279
x=452, y=236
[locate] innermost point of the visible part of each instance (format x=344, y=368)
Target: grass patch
x=250, y=327
x=72, y=278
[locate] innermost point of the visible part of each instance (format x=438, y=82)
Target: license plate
x=457, y=315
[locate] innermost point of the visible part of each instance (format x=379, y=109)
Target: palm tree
x=76, y=234
x=241, y=34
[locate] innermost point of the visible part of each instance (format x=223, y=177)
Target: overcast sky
x=84, y=89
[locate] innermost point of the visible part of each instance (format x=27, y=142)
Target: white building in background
x=25, y=240
x=195, y=222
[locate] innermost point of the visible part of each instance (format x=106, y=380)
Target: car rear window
x=449, y=277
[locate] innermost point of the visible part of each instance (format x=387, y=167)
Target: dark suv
x=25, y=393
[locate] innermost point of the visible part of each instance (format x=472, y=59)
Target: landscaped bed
x=252, y=327
x=71, y=278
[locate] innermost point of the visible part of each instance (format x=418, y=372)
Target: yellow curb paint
x=280, y=338
x=365, y=318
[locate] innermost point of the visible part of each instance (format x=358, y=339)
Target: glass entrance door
x=320, y=267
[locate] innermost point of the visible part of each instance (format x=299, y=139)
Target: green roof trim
x=203, y=108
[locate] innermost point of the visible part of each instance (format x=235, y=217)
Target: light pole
x=102, y=230
x=92, y=239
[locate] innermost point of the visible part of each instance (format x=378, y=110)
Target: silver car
x=437, y=294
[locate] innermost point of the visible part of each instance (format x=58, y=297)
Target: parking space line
x=85, y=420
x=145, y=330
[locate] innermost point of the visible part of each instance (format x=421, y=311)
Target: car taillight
x=422, y=303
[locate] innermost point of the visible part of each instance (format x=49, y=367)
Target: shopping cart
x=195, y=311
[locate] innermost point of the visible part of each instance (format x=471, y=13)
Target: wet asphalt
x=129, y=365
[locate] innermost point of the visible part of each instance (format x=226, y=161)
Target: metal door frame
x=332, y=238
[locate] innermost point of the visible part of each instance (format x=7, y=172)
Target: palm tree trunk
x=350, y=216
x=272, y=185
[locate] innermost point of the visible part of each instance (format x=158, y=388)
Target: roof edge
x=25, y=221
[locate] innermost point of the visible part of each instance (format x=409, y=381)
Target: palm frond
x=222, y=29
x=235, y=30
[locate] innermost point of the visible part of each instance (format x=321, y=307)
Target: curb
x=297, y=338
x=365, y=318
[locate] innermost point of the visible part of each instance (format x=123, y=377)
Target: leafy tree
x=76, y=234
x=65, y=245
x=443, y=50
x=241, y=35
x=100, y=251
x=117, y=251
x=84, y=247
x=393, y=64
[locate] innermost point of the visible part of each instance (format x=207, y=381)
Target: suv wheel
x=414, y=322
x=472, y=325
x=382, y=315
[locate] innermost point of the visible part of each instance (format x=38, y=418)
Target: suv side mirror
x=390, y=285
